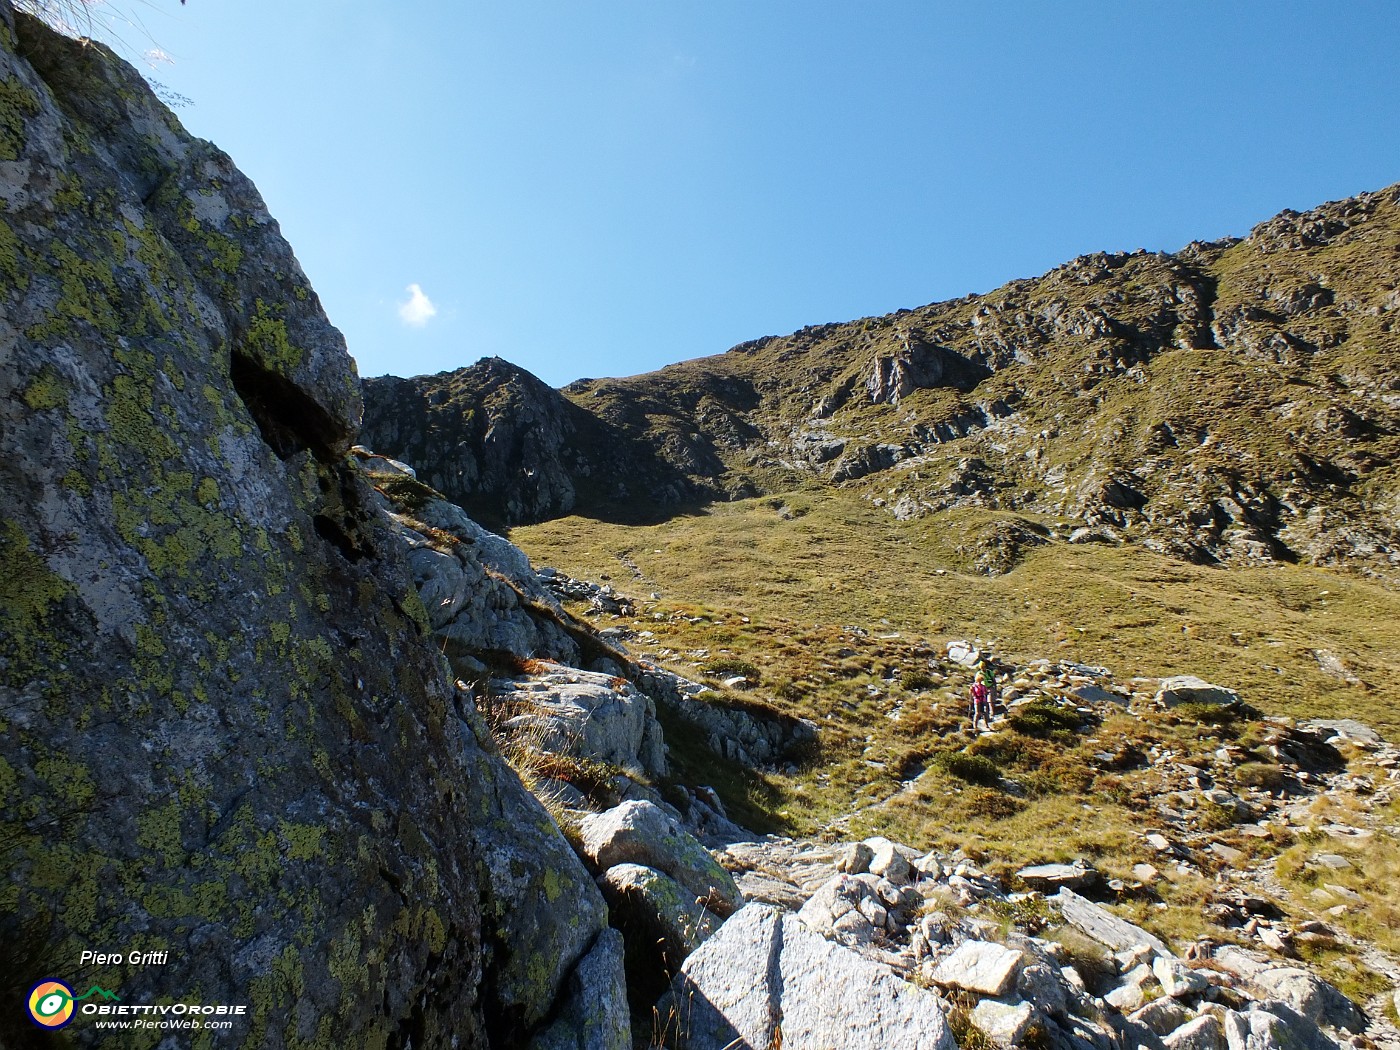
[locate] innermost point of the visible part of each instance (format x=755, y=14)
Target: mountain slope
x=1232, y=402
x=508, y=448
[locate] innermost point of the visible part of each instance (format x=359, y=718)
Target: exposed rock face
x=478, y=589
x=508, y=449
x=752, y=735
x=594, y=1015
x=642, y=833
x=226, y=732
x=1232, y=402
x=589, y=715
x=764, y=973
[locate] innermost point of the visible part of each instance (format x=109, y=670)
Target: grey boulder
x=1178, y=980
x=641, y=833
x=1004, y=1023
x=1188, y=689
x=980, y=966
x=1310, y=996
x=1272, y=1026
x=656, y=912
x=764, y=976
x=590, y=715
x=1103, y=926
x=1203, y=1033
x=1051, y=877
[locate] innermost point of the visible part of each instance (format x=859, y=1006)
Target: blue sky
x=604, y=187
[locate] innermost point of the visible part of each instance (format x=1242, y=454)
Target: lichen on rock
x=226, y=734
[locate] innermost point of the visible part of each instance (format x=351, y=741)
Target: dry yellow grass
x=828, y=558
x=777, y=584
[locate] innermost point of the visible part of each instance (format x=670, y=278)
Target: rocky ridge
x=504, y=446
x=1116, y=399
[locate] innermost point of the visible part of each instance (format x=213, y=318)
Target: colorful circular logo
x=51, y=1004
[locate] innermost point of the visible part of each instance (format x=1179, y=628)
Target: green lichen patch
x=303, y=841
x=45, y=391
x=87, y=292
x=223, y=254
x=17, y=104
x=28, y=590
x=12, y=263
x=269, y=343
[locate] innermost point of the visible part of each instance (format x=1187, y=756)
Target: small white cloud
x=417, y=309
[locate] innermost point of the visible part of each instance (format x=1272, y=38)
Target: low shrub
x=793, y=692
x=594, y=779
x=1030, y=914
x=1222, y=715
x=966, y=1034
x=983, y=803
x=1000, y=748
x=405, y=492
x=1059, y=779
x=975, y=769
x=915, y=680
x=1044, y=720
x=1215, y=817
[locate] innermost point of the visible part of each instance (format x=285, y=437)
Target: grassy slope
x=779, y=582
x=830, y=559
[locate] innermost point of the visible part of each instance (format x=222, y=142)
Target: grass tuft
x=975, y=769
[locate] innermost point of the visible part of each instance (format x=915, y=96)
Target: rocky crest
x=507, y=448
x=1232, y=402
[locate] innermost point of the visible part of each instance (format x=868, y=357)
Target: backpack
x=979, y=693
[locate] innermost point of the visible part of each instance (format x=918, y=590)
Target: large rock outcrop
x=508, y=449
x=224, y=731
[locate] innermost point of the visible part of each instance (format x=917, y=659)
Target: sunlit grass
x=830, y=559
